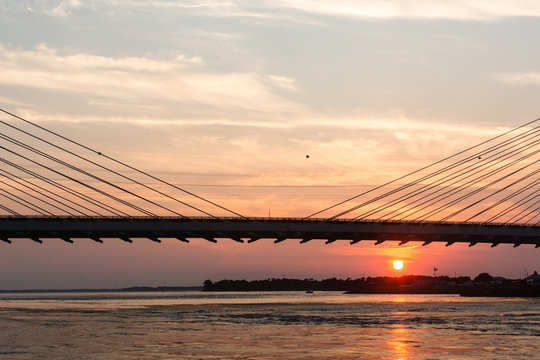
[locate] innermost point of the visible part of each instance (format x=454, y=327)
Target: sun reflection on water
x=399, y=342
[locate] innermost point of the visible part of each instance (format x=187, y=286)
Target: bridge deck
x=253, y=229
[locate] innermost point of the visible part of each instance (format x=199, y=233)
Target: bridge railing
x=273, y=219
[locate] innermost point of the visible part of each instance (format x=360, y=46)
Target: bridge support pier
x=36, y=239
x=93, y=237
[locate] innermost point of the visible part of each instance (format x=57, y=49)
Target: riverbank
x=482, y=285
x=128, y=289
x=516, y=290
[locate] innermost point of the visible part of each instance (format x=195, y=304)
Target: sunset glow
x=270, y=109
x=398, y=265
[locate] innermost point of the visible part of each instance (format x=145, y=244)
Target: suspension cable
x=459, y=174
x=135, y=207
x=13, y=212
x=119, y=162
x=73, y=192
x=75, y=168
x=419, y=170
x=428, y=176
x=21, y=181
x=506, y=198
x=24, y=202
x=34, y=197
x=463, y=186
x=109, y=170
x=521, y=212
x=513, y=207
x=497, y=191
x=528, y=214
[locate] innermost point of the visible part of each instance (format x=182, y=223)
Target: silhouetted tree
x=207, y=285
x=483, y=277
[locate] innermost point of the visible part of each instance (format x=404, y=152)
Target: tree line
x=365, y=284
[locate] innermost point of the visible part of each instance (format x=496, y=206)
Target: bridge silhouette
x=53, y=187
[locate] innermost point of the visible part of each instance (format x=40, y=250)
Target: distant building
x=534, y=279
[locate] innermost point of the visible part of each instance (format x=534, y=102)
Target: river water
x=269, y=325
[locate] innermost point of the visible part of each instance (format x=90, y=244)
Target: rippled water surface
x=276, y=325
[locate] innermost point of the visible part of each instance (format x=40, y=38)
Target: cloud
x=143, y=80
x=528, y=78
x=55, y=8
x=294, y=10
x=64, y=8
x=419, y=9
x=6, y=100
x=366, y=9
x=283, y=82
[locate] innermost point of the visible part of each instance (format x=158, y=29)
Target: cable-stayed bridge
x=52, y=186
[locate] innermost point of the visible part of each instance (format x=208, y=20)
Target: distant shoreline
x=482, y=285
x=128, y=289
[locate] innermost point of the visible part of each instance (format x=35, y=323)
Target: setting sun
x=398, y=264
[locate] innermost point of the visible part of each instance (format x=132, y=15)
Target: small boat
x=309, y=291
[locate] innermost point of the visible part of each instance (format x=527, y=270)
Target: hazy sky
x=226, y=98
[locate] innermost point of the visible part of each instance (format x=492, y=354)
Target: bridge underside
x=254, y=229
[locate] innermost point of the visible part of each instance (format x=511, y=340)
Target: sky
x=226, y=99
